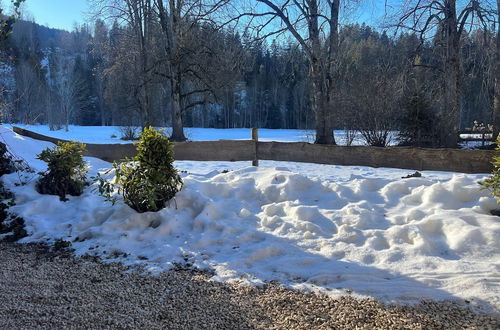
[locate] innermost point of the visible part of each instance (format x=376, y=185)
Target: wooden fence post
x=255, y=138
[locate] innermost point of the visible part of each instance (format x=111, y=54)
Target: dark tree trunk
x=321, y=109
x=496, y=100
x=330, y=107
x=177, y=124
x=319, y=67
x=452, y=78
x=169, y=22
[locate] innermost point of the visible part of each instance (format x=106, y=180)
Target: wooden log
x=454, y=160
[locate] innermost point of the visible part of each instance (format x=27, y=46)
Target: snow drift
x=382, y=236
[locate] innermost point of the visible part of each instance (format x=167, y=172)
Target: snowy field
x=334, y=229
x=112, y=134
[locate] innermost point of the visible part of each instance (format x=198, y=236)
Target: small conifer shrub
x=418, y=123
x=149, y=181
x=6, y=165
x=12, y=227
x=493, y=183
x=66, y=170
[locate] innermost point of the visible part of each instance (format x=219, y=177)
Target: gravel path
x=44, y=289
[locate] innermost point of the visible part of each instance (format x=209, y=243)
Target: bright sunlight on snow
x=112, y=134
x=336, y=229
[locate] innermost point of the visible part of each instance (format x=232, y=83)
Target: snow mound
x=392, y=239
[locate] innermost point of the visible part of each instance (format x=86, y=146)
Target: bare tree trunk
x=320, y=58
x=496, y=100
x=145, y=36
x=101, y=103
x=66, y=124
x=452, y=77
x=423, y=17
x=320, y=107
x=321, y=104
x=332, y=75
x=172, y=33
x=177, y=124
x=140, y=15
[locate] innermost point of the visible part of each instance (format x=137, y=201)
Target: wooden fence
x=455, y=160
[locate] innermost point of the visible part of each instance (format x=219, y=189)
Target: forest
x=429, y=70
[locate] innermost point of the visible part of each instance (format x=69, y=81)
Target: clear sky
x=61, y=14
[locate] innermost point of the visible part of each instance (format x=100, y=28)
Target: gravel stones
x=44, y=289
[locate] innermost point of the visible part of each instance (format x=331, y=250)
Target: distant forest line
x=97, y=74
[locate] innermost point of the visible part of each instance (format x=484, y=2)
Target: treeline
x=152, y=72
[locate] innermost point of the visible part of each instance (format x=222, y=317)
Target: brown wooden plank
x=455, y=160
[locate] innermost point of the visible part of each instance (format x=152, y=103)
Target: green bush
x=493, y=183
x=12, y=227
x=66, y=171
x=149, y=181
x=418, y=123
x=6, y=164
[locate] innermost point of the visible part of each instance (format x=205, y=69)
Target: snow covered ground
x=103, y=134
x=335, y=229
x=112, y=134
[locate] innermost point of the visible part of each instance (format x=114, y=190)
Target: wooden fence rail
x=455, y=160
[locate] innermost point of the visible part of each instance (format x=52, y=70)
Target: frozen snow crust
x=394, y=239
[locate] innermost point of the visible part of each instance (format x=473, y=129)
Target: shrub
x=11, y=226
x=376, y=137
x=129, y=133
x=9, y=163
x=6, y=164
x=62, y=245
x=66, y=171
x=149, y=181
x=418, y=123
x=493, y=183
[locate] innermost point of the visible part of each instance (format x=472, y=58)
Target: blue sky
x=60, y=14
x=63, y=14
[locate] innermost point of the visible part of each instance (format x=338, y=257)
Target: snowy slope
x=328, y=228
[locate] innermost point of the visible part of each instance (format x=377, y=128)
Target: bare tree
x=496, y=100
x=69, y=96
x=65, y=89
x=448, y=18
x=169, y=49
x=138, y=45
x=187, y=55
x=100, y=50
x=140, y=17
x=314, y=24
x=29, y=89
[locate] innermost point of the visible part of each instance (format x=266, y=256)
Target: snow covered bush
x=150, y=180
x=493, y=182
x=66, y=170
